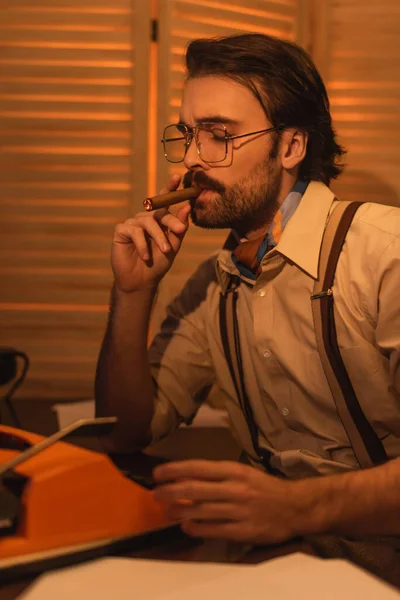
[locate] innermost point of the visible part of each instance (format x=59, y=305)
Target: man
x=255, y=134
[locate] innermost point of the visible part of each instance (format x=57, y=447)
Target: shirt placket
x=277, y=397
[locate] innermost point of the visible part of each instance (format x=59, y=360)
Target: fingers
x=176, y=224
x=198, y=491
x=208, y=511
x=160, y=228
x=138, y=231
x=170, y=222
x=225, y=531
x=163, y=228
x=200, y=469
x=183, y=214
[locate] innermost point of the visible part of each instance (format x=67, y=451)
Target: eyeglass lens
x=211, y=142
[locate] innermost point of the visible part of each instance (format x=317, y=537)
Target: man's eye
x=219, y=134
x=182, y=129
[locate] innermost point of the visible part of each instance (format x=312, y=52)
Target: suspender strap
x=367, y=447
x=227, y=309
x=231, y=341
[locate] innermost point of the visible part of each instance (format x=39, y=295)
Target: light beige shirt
x=285, y=382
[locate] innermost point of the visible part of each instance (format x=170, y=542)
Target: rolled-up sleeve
x=179, y=356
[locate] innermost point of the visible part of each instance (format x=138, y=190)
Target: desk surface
x=186, y=549
x=179, y=546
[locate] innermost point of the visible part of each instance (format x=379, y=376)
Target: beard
x=245, y=206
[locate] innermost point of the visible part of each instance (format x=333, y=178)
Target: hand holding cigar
x=171, y=198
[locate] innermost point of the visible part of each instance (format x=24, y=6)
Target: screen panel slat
x=362, y=72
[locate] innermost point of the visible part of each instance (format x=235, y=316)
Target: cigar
x=171, y=198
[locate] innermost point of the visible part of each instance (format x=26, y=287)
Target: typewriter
x=58, y=500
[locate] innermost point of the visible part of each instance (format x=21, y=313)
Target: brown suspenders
x=366, y=445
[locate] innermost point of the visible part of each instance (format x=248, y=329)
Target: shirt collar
x=274, y=233
x=285, y=212
x=301, y=239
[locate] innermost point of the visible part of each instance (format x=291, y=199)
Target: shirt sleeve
x=388, y=323
x=179, y=356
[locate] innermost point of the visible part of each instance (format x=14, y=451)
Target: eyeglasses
x=211, y=140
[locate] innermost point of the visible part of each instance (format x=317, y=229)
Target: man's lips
x=206, y=192
x=206, y=186
x=202, y=186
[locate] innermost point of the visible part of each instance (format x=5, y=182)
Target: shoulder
x=375, y=232
x=378, y=219
x=372, y=249
x=373, y=241
x=369, y=263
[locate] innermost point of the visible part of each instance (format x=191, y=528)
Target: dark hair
x=287, y=84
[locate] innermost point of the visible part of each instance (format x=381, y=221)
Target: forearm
x=365, y=502
x=124, y=386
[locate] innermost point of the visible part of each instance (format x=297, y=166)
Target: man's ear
x=293, y=148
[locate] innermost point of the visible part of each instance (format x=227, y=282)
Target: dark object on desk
x=11, y=489
x=8, y=441
x=76, y=500
x=137, y=467
x=8, y=365
x=145, y=481
x=8, y=372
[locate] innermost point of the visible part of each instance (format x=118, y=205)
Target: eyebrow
x=212, y=119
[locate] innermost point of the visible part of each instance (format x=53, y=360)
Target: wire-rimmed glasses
x=211, y=140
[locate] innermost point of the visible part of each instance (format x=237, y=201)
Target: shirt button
x=267, y=353
x=262, y=293
x=285, y=412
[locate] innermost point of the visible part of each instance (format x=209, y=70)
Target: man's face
x=241, y=192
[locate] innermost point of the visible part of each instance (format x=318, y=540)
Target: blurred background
x=86, y=87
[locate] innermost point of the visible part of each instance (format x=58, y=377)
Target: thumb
x=175, y=239
x=172, y=184
x=183, y=213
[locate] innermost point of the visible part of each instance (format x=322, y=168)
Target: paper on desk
x=68, y=412
x=123, y=579
x=294, y=577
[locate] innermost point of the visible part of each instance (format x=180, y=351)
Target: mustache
x=202, y=180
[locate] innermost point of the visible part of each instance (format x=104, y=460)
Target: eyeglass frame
x=192, y=132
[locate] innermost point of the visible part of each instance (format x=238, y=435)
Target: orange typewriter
x=57, y=499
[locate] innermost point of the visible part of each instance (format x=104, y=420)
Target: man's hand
x=145, y=246
x=227, y=500
x=235, y=502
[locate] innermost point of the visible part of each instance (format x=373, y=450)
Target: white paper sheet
x=123, y=579
x=68, y=412
x=294, y=577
